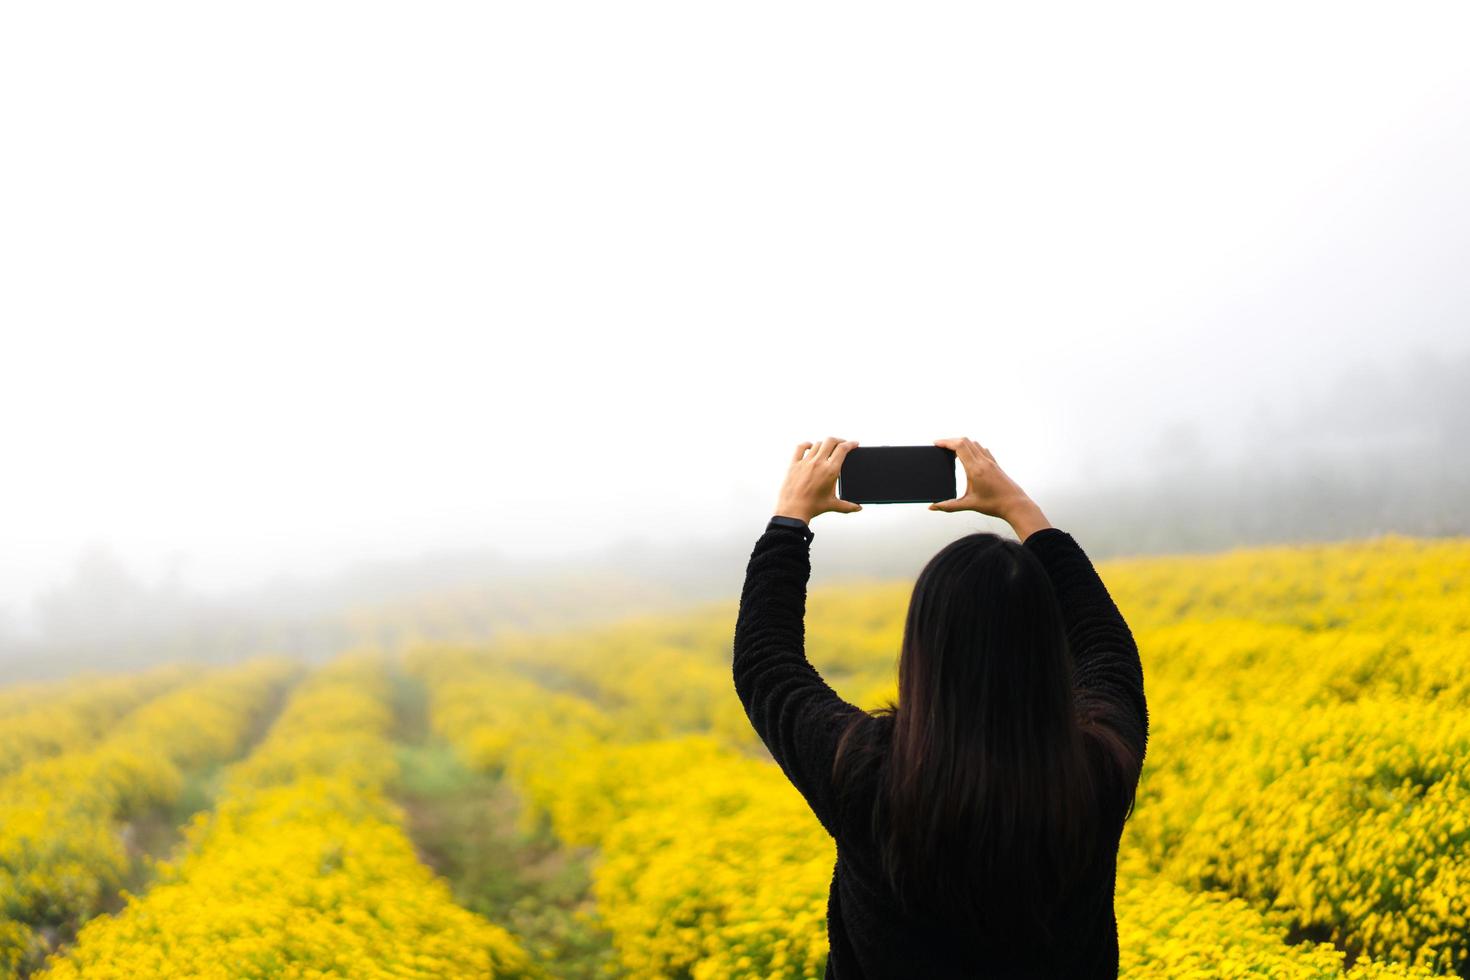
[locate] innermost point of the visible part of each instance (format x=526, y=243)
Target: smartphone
x=897, y=474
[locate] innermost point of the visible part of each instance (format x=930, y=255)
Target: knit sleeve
x=793, y=710
x=1107, y=670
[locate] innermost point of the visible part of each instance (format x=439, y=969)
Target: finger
x=825, y=449
x=968, y=452
x=801, y=451
x=842, y=450
x=961, y=446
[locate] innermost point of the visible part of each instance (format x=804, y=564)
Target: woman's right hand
x=989, y=490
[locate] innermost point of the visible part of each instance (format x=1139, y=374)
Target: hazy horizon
x=490, y=278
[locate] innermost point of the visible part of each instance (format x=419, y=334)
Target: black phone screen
x=897, y=474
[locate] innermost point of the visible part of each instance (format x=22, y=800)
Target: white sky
x=283, y=284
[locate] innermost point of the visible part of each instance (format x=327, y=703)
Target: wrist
x=1025, y=518
x=784, y=509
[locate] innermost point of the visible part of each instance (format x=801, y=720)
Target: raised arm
x=797, y=715
x=1108, y=672
x=793, y=710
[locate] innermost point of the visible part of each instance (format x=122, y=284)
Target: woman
x=977, y=820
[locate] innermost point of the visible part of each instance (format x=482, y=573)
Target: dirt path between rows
x=465, y=825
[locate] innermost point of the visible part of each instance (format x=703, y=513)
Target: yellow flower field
x=60, y=850
x=304, y=869
x=36, y=722
x=1306, y=777
x=1304, y=809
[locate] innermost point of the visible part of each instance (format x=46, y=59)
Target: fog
x=315, y=310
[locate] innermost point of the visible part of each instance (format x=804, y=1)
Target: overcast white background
x=287, y=284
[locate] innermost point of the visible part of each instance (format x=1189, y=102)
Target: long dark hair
x=987, y=806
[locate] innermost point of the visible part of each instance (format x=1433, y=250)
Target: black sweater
x=799, y=717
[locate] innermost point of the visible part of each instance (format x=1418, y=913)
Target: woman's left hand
x=811, y=483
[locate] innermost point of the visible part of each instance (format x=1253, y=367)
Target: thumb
x=946, y=505
x=848, y=507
